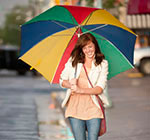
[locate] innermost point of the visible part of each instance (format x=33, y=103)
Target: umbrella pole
x=99, y=5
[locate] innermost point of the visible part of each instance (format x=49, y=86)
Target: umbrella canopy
x=48, y=39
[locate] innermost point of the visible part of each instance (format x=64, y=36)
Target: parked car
x=9, y=60
x=142, y=60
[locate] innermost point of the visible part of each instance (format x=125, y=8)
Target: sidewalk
x=51, y=122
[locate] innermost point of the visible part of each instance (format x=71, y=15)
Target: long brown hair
x=77, y=53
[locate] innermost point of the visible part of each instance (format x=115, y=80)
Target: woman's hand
x=73, y=84
x=73, y=81
x=75, y=89
x=69, y=83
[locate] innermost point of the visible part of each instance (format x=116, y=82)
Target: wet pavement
x=26, y=113
x=18, y=119
x=19, y=115
x=128, y=119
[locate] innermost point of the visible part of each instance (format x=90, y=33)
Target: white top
x=98, y=77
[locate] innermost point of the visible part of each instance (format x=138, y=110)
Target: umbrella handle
x=75, y=74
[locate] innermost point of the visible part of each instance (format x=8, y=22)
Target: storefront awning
x=138, y=21
x=138, y=7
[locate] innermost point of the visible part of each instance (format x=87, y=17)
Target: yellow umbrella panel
x=46, y=55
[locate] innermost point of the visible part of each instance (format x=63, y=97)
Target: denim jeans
x=79, y=128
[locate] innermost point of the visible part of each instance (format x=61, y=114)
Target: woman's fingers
x=73, y=81
x=73, y=88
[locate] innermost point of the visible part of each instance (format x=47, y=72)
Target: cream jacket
x=98, y=77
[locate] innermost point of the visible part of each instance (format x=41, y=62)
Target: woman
x=82, y=107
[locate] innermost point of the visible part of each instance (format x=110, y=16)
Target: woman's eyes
x=87, y=47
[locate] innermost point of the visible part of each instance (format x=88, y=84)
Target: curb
x=51, y=122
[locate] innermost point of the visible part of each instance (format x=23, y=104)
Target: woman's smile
x=89, y=50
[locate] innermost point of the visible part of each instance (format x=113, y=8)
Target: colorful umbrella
x=48, y=39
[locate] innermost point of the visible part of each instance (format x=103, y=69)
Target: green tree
x=108, y=4
x=11, y=30
x=1, y=36
x=90, y=3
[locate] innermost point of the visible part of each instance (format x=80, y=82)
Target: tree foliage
x=90, y=3
x=108, y=4
x=11, y=32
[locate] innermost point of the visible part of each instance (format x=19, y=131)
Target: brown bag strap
x=87, y=76
x=99, y=100
x=103, y=122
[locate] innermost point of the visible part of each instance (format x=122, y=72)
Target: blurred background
x=23, y=92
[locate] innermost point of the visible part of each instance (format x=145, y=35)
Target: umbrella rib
x=78, y=26
x=71, y=40
x=118, y=51
x=62, y=35
x=61, y=25
x=88, y=18
x=95, y=29
x=74, y=22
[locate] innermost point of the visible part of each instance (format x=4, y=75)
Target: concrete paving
x=18, y=116
x=50, y=119
x=128, y=119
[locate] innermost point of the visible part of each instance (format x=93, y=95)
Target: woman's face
x=89, y=50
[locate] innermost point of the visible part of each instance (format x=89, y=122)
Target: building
x=138, y=19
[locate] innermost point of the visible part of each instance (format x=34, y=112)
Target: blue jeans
x=79, y=128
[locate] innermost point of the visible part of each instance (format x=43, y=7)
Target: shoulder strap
x=99, y=100
x=87, y=75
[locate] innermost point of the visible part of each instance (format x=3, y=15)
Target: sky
x=7, y=5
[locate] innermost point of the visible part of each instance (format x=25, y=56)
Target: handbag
x=103, y=120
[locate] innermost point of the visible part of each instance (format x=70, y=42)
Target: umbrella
x=48, y=39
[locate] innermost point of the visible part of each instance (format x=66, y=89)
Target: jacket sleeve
x=102, y=80
x=65, y=73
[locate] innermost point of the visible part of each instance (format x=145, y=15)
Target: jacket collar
x=93, y=65
x=79, y=66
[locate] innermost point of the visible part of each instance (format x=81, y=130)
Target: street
x=128, y=119
x=18, y=117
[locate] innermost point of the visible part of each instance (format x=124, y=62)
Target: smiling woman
x=86, y=47
x=83, y=109
x=89, y=50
